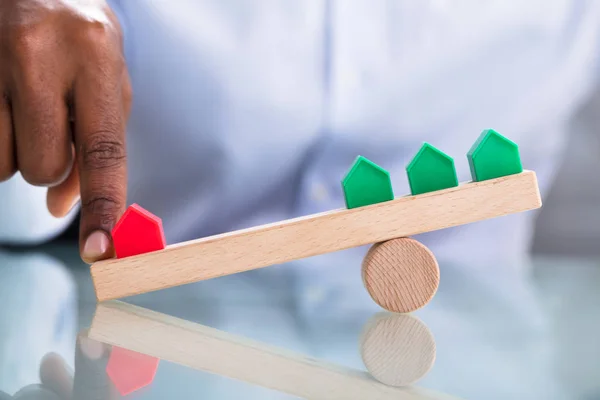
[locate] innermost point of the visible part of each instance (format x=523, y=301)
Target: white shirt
x=249, y=112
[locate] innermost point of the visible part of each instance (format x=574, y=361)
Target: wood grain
x=312, y=235
x=397, y=349
x=401, y=275
x=207, y=349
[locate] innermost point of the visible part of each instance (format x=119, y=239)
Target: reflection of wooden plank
x=208, y=349
x=312, y=235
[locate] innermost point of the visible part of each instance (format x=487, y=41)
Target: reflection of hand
x=89, y=382
x=36, y=392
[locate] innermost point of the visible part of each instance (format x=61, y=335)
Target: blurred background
x=498, y=333
x=569, y=222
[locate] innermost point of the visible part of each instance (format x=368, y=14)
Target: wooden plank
x=207, y=349
x=312, y=235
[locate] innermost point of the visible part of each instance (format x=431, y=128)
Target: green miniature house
x=493, y=156
x=431, y=170
x=366, y=183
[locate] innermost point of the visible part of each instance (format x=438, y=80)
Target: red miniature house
x=130, y=371
x=137, y=232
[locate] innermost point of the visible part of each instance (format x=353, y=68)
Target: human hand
x=89, y=381
x=65, y=97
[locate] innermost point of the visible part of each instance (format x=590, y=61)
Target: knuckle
x=103, y=59
x=45, y=172
x=97, y=32
x=102, y=41
x=103, y=151
x=25, y=43
x=103, y=207
x=26, y=50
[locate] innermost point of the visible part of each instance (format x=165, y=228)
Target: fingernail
x=92, y=349
x=96, y=246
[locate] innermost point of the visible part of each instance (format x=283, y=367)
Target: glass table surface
x=487, y=334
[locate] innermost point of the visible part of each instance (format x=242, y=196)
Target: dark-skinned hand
x=89, y=381
x=65, y=97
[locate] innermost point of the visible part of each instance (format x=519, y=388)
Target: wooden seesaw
x=400, y=274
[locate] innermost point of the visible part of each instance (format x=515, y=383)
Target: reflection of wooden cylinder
x=397, y=349
x=401, y=275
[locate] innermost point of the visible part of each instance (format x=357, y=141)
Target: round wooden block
x=401, y=275
x=397, y=349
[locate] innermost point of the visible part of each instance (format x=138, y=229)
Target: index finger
x=99, y=136
x=91, y=381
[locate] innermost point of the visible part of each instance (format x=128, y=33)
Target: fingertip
x=50, y=362
x=92, y=349
x=56, y=374
x=97, y=246
x=60, y=205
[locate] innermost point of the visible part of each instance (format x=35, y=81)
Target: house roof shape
x=425, y=148
x=366, y=183
x=138, y=231
x=492, y=156
x=130, y=371
x=431, y=169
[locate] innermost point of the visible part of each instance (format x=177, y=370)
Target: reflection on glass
x=397, y=349
x=130, y=371
x=200, y=347
x=89, y=381
x=35, y=392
